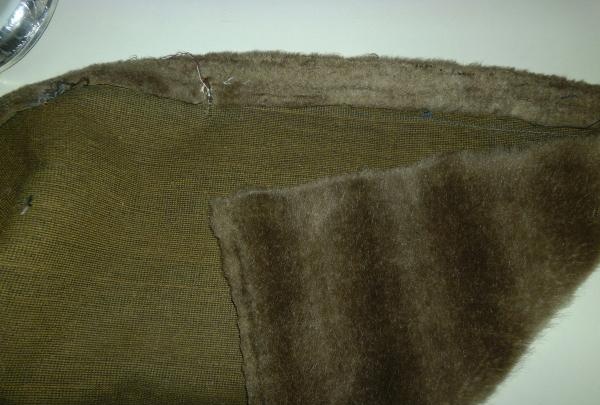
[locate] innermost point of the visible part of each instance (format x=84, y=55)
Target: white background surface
x=545, y=36
x=552, y=37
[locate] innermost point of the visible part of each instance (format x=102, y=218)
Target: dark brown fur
x=419, y=286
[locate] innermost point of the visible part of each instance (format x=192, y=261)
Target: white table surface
x=544, y=36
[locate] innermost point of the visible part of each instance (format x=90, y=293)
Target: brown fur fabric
x=284, y=79
x=420, y=285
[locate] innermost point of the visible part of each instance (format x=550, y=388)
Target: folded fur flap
x=417, y=285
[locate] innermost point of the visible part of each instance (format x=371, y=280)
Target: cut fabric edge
x=226, y=232
x=296, y=80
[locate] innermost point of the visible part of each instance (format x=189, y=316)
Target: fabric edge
x=226, y=234
x=293, y=80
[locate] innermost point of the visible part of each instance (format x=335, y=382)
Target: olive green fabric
x=111, y=288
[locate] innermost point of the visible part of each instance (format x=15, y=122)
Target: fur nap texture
x=419, y=285
x=284, y=79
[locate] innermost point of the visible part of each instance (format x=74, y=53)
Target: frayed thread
x=205, y=88
x=59, y=88
x=27, y=204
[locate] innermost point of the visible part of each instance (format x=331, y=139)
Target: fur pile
x=420, y=285
x=283, y=79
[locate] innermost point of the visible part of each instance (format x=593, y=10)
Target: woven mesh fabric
x=111, y=288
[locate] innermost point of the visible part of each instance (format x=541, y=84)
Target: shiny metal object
x=23, y=22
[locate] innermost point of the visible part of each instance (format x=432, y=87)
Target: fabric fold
x=417, y=285
x=422, y=284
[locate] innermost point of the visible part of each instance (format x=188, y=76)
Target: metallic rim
x=23, y=29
